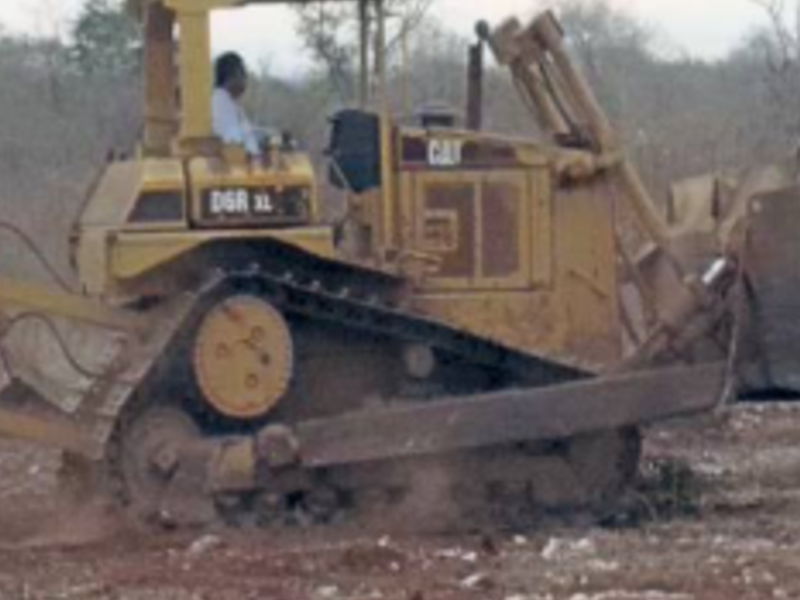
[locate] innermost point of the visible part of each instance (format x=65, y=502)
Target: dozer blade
x=543, y=414
x=78, y=364
x=419, y=430
x=771, y=267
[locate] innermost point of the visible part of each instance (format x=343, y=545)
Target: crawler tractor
x=479, y=321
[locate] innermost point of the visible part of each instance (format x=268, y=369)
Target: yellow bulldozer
x=515, y=310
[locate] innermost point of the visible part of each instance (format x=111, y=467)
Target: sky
x=701, y=28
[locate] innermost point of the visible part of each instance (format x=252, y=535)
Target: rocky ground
x=728, y=528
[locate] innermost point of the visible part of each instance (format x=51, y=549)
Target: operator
x=229, y=120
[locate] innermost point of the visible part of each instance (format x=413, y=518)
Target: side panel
x=522, y=263
x=478, y=228
x=586, y=280
x=142, y=195
x=242, y=196
x=525, y=320
x=135, y=254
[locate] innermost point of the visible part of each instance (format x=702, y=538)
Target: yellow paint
x=136, y=254
x=236, y=466
x=39, y=299
x=551, y=288
x=108, y=248
x=243, y=357
x=59, y=434
x=161, y=98
x=561, y=299
x=291, y=170
x=196, y=79
x=521, y=277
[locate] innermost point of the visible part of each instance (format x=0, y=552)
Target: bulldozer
x=480, y=313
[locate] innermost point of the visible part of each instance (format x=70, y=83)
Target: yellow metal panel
x=161, y=111
x=542, y=242
x=36, y=298
x=569, y=310
x=293, y=170
x=525, y=152
x=120, y=187
x=163, y=174
x=407, y=225
x=521, y=227
x=527, y=321
x=386, y=230
x=134, y=254
x=469, y=226
x=109, y=208
x=114, y=196
x=587, y=272
x=195, y=68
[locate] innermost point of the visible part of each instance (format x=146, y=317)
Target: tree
x=776, y=45
x=106, y=40
x=610, y=45
x=679, y=116
x=330, y=31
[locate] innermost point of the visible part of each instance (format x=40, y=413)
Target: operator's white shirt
x=231, y=123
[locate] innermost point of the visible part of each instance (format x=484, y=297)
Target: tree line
x=65, y=103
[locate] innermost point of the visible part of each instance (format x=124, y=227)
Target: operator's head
x=231, y=74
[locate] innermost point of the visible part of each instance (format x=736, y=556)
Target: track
x=332, y=325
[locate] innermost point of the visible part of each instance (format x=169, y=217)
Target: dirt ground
x=728, y=529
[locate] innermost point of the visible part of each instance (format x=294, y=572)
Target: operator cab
x=223, y=188
x=185, y=190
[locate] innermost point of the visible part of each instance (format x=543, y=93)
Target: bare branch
x=412, y=14
x=329, y=31
x=785, y=48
